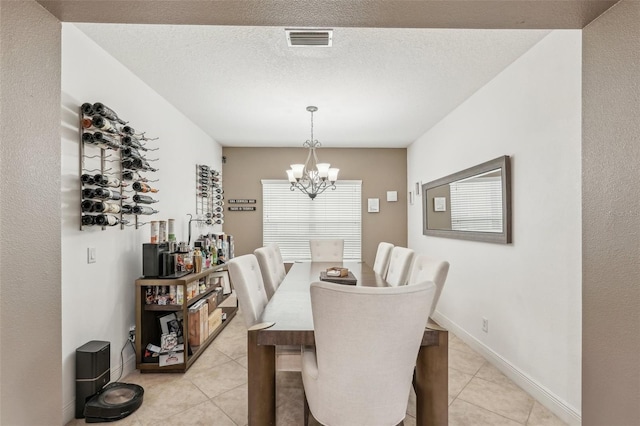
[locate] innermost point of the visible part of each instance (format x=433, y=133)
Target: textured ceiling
x=376, y=87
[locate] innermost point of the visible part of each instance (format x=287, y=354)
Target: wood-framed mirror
x=473, y=204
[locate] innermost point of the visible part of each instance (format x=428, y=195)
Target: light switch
x=91, y=255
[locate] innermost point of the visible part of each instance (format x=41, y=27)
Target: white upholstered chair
x=360, y=371
x=271, y=266
x=399, y=266
x=246, y=278
x=327, y=250
x=381, y=262
x=427, y=268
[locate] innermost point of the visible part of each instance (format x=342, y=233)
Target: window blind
x=291, y=218
x=476, y=205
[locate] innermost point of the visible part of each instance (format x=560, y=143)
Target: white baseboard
x=69, y=410
x=545, y=397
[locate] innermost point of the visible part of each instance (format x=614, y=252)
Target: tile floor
x=214, y=391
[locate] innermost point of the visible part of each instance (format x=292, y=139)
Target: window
x=476, y=204
x=291, y=218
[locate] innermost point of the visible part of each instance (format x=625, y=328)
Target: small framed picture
x=439, y=204
x=373, y=205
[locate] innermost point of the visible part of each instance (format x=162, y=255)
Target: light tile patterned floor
x=214, y=391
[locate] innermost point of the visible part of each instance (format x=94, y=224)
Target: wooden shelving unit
x=148, y=328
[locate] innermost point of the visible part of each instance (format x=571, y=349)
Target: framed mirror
x=473, y=204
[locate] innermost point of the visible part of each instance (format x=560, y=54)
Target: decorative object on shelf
x=312, y=178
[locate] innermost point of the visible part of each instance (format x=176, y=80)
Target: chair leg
x=306, y=409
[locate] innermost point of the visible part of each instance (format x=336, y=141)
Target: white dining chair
x=331, y=250
x=246, y=278
x=271, y=266
x=361, y=368
x=381, y=262
x=399, y=266
x=427, y=268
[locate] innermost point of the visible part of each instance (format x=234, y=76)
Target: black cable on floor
x=122, y=358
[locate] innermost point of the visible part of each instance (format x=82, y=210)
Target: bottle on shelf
x=104, y=207
x=105, y=111
x=102, y=123
x=136, y=164
x=219, y=203
x=87, y=205
x=101, y=140
x=218, y=209
x=87, y=179
x=215, y=172
x=88, y=220
x=143, y=187
x=88, y=193
x=87, y=123
x=104, y=180
x=204, y=167
x=143, y=210
x=87, y=109
x=107, y=220
x=128, y=130
x=133, y=142
x=108, y=194
x=204, y=195
x=128, y=151
x=127, y=209
x=144, y=199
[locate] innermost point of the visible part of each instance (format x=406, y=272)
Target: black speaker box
x=93, y=371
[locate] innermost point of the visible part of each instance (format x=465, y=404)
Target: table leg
x=262, y=381
x=432, y=383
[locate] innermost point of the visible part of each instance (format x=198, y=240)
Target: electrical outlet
x=485, y=325
x=91, y=255
x=132, y=333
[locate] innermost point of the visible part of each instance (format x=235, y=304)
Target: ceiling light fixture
x=312, y=178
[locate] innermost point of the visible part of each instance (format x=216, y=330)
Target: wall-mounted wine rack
x=209, y=195
x=113, y=192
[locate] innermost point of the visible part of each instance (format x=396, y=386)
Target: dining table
x=287, y=320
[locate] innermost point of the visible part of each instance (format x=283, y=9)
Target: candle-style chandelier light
x=312, y=178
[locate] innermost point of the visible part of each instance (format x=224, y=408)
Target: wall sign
x=242, y=209
x=242, y=201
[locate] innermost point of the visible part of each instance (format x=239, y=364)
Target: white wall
x=98, y=299
x=530, y=290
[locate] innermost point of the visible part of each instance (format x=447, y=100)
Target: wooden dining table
x=287, y=320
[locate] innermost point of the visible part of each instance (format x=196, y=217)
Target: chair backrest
x=271, y=267
x=399, y=266
x=327, y=250
x=246, y=278
x=427, y=268
x=381, y=262
x=366, y=356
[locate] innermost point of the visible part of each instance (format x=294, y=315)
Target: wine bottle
x=204, y=167
x=217, y=197
x=204, y=174
x=204, y=181
x=128, y=130
x=218, y=191
x=105, y=141
x=144, y=199
x=131, y=152
x=133, y=142
x=127, y=209
x=104, y=207
x=87, y=179
x=105, y=111
x=218, y=209
x=107, y=220
x=218, y=221
x=88, y=193
x=143, y=187
x=86, y=123
x=87, y=109
x=104, y=180
x=88, y=138
x=143, y=210
x=136, y=164
x=105, y=124
x=107, y=194
x=127, y=175
x=88, y=220
x=215, y=172
x=218, y=215
x=87, y=205
x=204, y=195
x=219, y=203
x=203, y=188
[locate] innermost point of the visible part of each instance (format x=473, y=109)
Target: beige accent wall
x=438, y=220
x=611, y=218
x=30, y=272
x=380, y=170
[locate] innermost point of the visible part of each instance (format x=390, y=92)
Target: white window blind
x=291, y=218
x=476, y=205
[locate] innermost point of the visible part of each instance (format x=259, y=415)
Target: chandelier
x=312, y=178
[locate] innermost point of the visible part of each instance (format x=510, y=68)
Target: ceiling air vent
x=309, y=38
